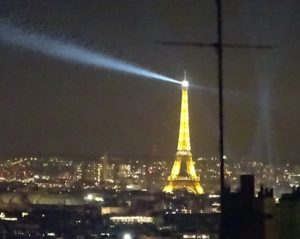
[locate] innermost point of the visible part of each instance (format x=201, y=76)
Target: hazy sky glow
x=52, y=106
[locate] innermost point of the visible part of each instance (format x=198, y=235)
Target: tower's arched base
x=191, y=185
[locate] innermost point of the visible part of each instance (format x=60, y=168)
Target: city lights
x=132, y=219
x=89, y=146
x=127, y=236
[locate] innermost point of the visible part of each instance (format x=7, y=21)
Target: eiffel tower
x=183, y=174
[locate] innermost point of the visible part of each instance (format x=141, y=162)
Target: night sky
x=50, y=106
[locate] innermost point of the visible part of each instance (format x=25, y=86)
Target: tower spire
x=184, y=144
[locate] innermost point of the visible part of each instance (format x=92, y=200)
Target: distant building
x=246, y=216
x=289, y=215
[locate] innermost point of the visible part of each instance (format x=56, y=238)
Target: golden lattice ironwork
x=183, y=174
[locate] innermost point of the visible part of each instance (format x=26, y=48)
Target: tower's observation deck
x=184, y=177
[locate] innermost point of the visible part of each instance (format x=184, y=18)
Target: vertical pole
x=221, y=126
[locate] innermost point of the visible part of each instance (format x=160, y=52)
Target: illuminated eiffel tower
x=183, y=174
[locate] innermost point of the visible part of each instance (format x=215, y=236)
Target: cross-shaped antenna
x=219, y=46
x=213, y=45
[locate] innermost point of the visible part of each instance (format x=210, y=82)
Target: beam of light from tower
x=71, y=52
x=263, y=140
x=210, y=90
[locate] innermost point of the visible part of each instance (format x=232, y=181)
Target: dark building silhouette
x=246, y=216
x=247, y=193
x=289, y=215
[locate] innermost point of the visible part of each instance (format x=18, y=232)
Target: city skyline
x=96, y=95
